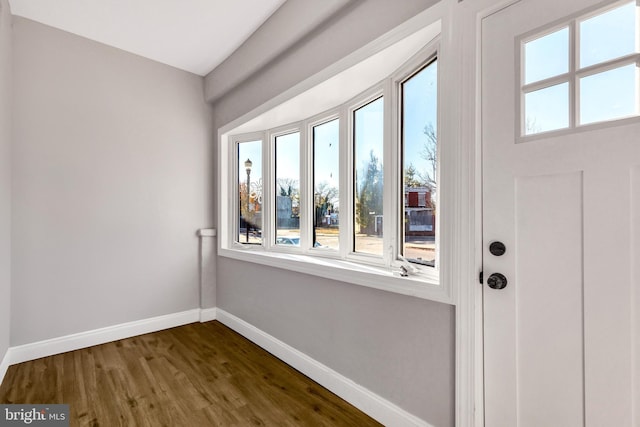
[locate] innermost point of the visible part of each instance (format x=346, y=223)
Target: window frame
x=381, y=90
x=235, y=186
x=272, y=134
x=405, y=73
x=573, y=75
x=318, y=120
x=346, y=265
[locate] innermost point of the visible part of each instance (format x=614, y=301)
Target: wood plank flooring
x=202, y=374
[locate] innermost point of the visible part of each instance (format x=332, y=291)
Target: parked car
x=294, y=241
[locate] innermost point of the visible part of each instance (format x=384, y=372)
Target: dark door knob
x=497, y=281
x=497, y=248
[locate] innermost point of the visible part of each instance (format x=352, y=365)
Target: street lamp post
x=247, y=166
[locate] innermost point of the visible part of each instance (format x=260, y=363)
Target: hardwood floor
x=202, y=374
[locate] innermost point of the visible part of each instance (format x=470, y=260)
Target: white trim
x=207, y=232
x=4, y=365
x=473, y=328
x=457, y=56
x=36, y=350
x=370, y=403
x=208, y=314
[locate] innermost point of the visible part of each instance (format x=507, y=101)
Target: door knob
x=497, y=281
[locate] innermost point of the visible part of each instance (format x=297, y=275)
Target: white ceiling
x=193, y=35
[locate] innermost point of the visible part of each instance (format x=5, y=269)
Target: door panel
x=549, y=313
x=609, y=330
x=635, y=291
x=562, y=339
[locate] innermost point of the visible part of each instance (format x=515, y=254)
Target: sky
x=368, y=134
x=251, y=150
x=420, y=108
x=326, y=148
x=288, y=157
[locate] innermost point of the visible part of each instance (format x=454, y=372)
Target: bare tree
x=531, y=126
x=430, y=154
x=326, y=199
x=290, y=188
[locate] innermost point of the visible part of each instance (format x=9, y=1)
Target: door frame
x=471, y=22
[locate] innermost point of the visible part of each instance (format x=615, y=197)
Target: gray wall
x=111, y=180
x=5, y=175
x=399, y=347
x=291, y=22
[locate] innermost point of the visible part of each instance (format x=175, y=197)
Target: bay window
x=360, y=198
x=351, y=193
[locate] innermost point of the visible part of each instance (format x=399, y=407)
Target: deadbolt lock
x=497, y=248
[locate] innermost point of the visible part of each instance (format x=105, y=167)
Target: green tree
x=412, y=177
x=369, y=194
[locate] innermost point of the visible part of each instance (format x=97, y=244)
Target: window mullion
x=345, y=185
x=574, y=60
x=391, y=172
x=632, y=58
x=351, y=192
x=268, y=191
x=264, y=188
x=551, y=81
x=306, y=186
x=233, y=188
x=303, y=206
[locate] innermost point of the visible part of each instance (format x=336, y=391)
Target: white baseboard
x=208, y=314
x=36, y=350
x=4, y=365
x=368, y=402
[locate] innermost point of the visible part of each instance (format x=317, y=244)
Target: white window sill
x=376, y=277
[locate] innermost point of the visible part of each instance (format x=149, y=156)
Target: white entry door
x=561, y=192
